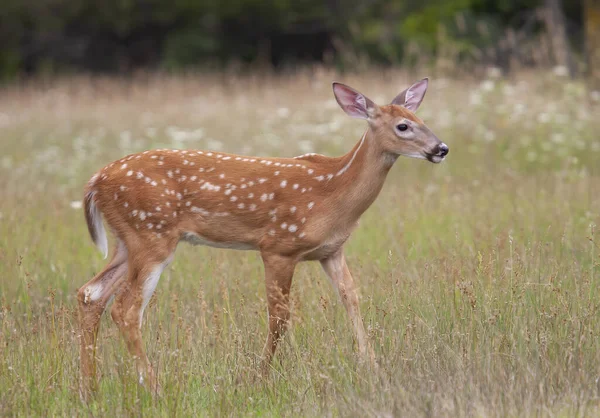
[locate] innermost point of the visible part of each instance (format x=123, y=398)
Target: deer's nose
x=443, y=149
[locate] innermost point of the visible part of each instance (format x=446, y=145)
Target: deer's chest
x=331, y=244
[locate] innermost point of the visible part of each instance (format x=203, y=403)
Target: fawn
x=289, y=209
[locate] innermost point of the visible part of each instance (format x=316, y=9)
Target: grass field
x=479, y=277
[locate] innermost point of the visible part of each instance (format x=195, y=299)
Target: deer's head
x=395, y=126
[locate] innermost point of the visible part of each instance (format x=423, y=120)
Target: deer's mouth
x=439, y=153
x=434, y=158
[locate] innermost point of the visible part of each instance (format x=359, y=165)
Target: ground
x=479, y=277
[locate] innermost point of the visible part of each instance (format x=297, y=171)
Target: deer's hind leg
x=93, y=298
x=131, y=300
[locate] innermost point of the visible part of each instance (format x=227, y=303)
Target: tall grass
x=479, y=277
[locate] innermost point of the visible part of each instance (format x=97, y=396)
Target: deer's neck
x=360, y=176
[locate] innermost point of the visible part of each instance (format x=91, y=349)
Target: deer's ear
x=412, y=97
x=354, y=103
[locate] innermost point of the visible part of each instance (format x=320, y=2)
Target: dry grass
x=479, y=277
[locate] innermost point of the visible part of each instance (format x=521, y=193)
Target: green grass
x=479, y=277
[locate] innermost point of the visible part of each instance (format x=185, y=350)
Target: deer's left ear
x=412, y=97
x=353, y=102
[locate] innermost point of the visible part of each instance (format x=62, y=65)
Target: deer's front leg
x=278, y=277
x=336, y=268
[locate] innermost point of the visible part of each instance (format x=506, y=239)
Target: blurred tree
x=556, y=27
x=122, y=35
x=592, y=33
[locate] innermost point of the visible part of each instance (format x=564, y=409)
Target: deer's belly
x=196, y=239
x=323, y=252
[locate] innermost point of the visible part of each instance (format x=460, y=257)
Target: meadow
x=479, y=277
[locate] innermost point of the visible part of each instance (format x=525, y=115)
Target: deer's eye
x=402, y=127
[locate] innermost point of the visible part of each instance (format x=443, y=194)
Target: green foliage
x=107, y=34
x=188, y=47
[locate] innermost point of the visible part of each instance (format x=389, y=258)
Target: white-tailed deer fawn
x=289, y=209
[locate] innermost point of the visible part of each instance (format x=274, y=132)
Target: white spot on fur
x=129, y=173
x=310, y=205
x=201, y=211
x=211, y=187
x=292, y=228
x=283, y=183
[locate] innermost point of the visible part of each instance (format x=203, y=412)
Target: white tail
x=94, y=220
x=289, y=209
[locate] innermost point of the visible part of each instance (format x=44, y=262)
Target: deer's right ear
x=412, y=97
x=352, y=102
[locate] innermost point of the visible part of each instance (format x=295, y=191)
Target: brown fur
x=289, y=209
